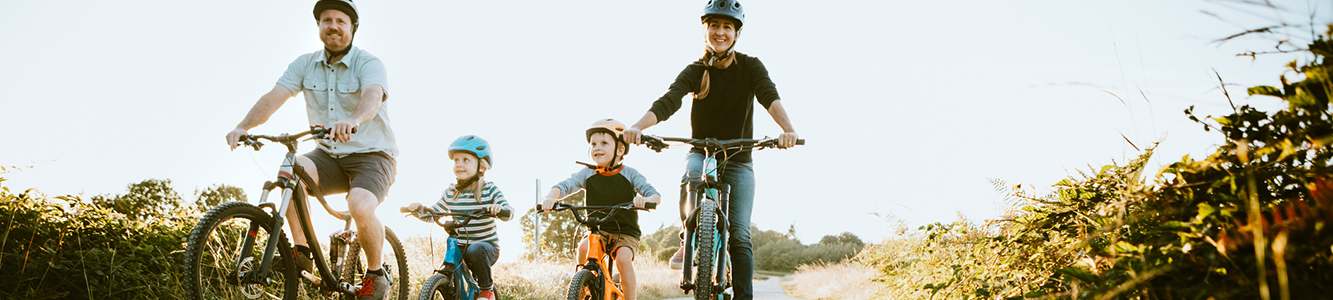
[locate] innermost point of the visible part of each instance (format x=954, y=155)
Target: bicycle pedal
x=311, y=277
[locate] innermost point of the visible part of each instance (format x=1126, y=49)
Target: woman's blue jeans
x=740, y=176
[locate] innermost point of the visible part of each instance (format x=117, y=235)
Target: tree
x=217, y=195
x=560, y=233
x=146, y=199
x=661, y=244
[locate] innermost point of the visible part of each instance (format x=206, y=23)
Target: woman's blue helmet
x=472, y=144
x=730, y=9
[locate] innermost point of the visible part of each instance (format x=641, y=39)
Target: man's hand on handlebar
x=234, y=137
x=342, y=131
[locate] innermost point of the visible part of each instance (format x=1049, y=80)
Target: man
x=345, y=90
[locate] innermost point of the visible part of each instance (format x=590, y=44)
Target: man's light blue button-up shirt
x=332, y=92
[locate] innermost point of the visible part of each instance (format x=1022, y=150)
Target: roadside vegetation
x=1249, y=221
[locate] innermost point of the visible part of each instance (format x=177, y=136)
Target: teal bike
x=708, y=269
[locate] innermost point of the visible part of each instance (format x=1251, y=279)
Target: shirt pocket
x=349, y=87
x=314, y=85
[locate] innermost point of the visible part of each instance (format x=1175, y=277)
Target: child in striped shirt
x=480, y=239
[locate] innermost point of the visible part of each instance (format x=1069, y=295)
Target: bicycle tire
x=584, y=286
x=704, y=241
x=206, y=272
x=445, y=286
x=354, y=265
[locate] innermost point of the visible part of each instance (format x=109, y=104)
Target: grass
x=847, y=280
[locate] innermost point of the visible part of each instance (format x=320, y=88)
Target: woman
x=725, y=85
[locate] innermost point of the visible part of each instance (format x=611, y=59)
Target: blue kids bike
x=707, y=269
x=452, y=280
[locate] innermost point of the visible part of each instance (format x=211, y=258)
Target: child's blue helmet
x=472, y=144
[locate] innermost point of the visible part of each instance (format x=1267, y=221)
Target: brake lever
x=253, y=143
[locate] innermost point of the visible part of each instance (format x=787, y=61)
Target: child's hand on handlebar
x=547, y=204
x=492, y=208
x=642, y=202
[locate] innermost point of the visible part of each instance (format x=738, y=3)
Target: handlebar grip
x=504, y=214
x=650, y=205
x=800, y=141
x=405, y=209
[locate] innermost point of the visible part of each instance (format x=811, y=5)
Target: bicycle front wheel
x=393, y=262
x=440, y=287
x=705, y=250
x=585, y=286
x=215, y=260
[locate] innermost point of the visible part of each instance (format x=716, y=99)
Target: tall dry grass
x=539, y=279
x=846, y=280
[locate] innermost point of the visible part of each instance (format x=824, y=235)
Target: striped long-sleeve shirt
x=479, y=230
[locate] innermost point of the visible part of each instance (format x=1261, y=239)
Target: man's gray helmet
x=346, y=6
x=725, y=8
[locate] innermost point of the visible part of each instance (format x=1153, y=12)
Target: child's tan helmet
x=615, y=128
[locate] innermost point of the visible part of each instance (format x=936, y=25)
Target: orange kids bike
x=593, y=280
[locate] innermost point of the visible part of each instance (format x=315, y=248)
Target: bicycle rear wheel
x=585, y=286
x=394, y=262
x=215, y=245
x=705, y=250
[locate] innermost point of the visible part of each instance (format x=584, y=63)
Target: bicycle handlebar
x=422, y=213
x=316, y=131
x=657, y=143
x=591, y=221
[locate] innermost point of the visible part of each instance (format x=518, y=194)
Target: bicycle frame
x=597, y=247
x=705, y=187
x=708, y=187
x=453, y=255
x=290, y=185
x=596, y=252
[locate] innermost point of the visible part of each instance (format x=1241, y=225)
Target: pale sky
x=909, y=107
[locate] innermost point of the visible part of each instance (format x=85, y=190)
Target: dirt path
x=765, y=290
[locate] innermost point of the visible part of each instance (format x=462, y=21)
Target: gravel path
x=764, y=290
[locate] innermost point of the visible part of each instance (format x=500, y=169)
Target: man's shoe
x=678, y=260
x=486, y=294
x=373, y=287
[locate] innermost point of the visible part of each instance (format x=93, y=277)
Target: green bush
x=107, y=247
x=1250, y=221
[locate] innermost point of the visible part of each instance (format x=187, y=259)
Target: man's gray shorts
x=371, y=171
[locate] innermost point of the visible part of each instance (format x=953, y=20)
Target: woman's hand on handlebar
x=632, y=135
x=787, y=139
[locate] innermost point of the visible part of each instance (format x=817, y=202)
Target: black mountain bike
x=223, y=258
x=707, y=268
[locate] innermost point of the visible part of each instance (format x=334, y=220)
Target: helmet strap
x=713, y=60
x=329, y=54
